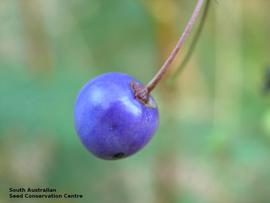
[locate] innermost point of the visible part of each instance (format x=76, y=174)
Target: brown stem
x=153, y=83
x=194, y=41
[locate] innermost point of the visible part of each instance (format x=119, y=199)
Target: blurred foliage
x=213, y=143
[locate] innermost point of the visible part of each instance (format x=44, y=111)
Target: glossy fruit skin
x=110, y=121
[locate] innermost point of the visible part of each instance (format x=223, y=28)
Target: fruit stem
x=194, y=41
x=153, y=83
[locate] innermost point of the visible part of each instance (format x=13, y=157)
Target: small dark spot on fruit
x=118, y=155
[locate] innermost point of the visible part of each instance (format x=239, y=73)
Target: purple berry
x=110, y=120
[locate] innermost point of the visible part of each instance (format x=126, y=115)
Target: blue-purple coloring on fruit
x=110, y=121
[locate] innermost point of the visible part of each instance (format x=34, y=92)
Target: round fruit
x=110, y=120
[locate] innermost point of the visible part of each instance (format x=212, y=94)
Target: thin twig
x=194, y=41
x=152, y=84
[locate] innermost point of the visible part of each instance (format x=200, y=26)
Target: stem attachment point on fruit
x=142, y=94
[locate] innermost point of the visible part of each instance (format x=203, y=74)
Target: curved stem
x=152, y=84
x=194, y=41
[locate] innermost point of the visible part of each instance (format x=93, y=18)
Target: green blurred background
x=213, y=143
